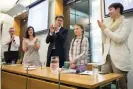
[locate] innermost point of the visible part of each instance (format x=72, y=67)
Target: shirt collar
x=59, y=29
x=79, y=37
x=12, y=36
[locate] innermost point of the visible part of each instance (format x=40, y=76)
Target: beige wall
x=51, y=11
x=130, y=43
x=7, y=23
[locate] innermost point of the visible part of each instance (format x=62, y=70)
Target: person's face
x=59, y=22
x=78, y=31
x=30, y=32
x=12, y=32
x=113, y=12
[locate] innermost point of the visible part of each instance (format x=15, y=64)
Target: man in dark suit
x=56, y=38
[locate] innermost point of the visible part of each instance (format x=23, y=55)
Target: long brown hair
x=27, y=32
x=82, y=27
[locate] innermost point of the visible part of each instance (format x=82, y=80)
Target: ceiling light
x=70, y=1
x=19, y=13
x=78, y=1
x=24, y=10
x=14, y=16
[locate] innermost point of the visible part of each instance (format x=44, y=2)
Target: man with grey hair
x=12, y=45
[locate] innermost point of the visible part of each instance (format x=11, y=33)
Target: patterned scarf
x=115, y=24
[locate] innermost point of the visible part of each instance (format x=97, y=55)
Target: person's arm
x=24, y=45
x=70, y=51
x=84, y=53
x=5, y=44
x=50, y=37
x=121, y=36
x=62, y=36
x=72, y=63
x=16, y=42
x=7, y=41
x=36, y=44
x=103, y=37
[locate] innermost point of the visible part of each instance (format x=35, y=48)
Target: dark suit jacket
x=57, y=40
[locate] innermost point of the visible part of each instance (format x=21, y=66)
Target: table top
x=86, y=81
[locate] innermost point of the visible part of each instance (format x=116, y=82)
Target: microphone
x=59, y=77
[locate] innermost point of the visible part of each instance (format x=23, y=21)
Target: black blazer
x=58, y=39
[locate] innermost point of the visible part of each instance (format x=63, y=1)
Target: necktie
x=9, y=47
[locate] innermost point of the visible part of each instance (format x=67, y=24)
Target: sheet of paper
x=71, y=71
x=87, y=73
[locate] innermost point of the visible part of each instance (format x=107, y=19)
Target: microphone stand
x=27, y=77
x=1, y=65
x=59, y=77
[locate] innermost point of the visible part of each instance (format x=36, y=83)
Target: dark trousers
x=9, y=61
x=109, y=67
x=10, y=56
x=61, y=59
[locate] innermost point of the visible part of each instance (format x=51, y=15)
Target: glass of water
x=54, y=64
x=42, y=64
x=95, y=69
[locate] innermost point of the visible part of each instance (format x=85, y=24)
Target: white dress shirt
x=55, y=32
x=15, y=44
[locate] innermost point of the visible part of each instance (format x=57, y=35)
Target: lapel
x=61, y=30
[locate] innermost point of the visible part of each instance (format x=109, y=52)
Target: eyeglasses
x=11, y=31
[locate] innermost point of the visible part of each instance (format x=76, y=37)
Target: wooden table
x=44, y=79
